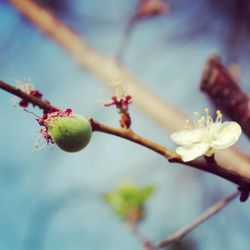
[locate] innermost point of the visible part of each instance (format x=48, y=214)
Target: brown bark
x=225, y=93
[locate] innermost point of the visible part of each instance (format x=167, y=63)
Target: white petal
x=189, y=153
x=187, y=137
x=226, y=135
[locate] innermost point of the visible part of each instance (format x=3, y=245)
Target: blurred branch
x=101, y=66
x=125, y=38
x=107, y=69
x=217, y=207
x=225, y=93
x=238, y=176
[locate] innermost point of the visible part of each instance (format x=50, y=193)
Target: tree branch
x=99, y=65
x=42, y=104
x=131, y=136
x=107, y=69
x=217, y=207
x=240, y=178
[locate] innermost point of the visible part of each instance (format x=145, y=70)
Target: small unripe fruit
x=70, y=133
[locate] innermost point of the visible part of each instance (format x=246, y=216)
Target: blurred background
x=51, y=199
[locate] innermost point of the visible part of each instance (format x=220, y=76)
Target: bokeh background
x=51, y=199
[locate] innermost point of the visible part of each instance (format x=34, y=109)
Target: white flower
x=206, y=136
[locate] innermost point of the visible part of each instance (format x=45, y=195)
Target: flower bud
x=70, y=133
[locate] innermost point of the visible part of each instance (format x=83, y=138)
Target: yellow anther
x=218, y=113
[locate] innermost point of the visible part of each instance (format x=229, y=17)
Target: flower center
x=204, y=122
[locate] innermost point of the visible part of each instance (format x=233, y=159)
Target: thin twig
x=211, y=167
x=125, y=38
x=142, y=238
x=236, y=176
x=131, y=136
x=43, y=104
x=200, y=219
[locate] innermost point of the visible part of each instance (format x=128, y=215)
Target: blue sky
x=52, y=200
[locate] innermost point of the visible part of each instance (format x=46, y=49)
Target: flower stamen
x=196, y=119
x=209, y=119
x=218, y=116
x=188, y=124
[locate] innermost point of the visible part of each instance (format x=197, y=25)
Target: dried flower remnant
x=149, y=8
x=205, y=136
x=121, y=101
x=27, y=88
x=71, y=132
x=129, y=200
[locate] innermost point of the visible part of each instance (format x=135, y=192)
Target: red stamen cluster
x=122, y=105
x=24, y=103
x=46, y=118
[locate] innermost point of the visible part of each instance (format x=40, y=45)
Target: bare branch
x=200, y=219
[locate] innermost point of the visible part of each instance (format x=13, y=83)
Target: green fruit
x=70, y=133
